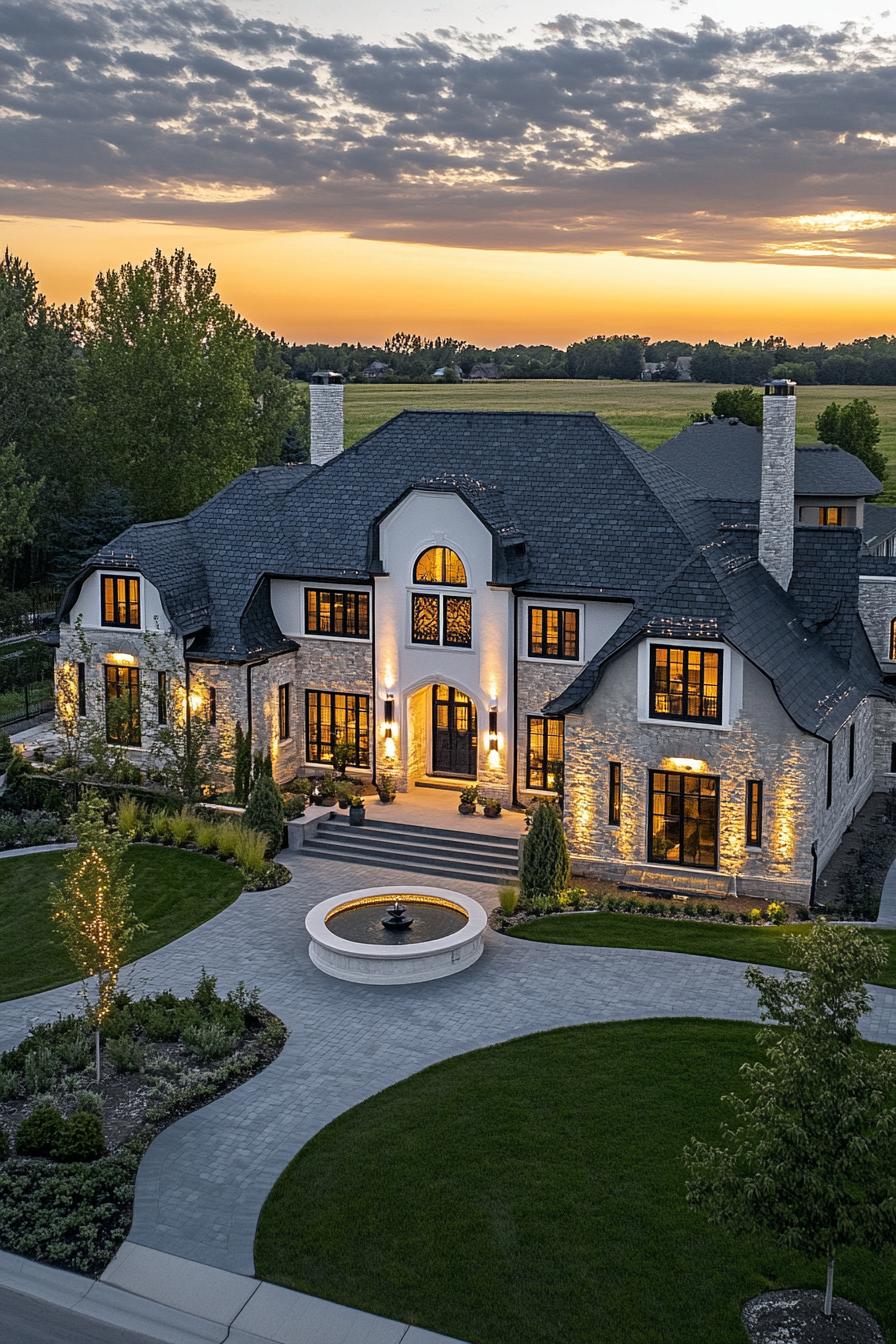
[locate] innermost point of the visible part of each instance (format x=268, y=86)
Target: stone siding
x=326, y=417
x=877, y=608
x=776, y=502
x=537, y=683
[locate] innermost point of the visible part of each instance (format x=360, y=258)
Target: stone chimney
x=776, y=506
x=326, y=393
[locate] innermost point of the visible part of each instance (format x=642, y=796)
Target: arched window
x=439, y=564
x=893, y=641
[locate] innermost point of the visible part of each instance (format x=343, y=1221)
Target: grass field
x=534, y=1193
x=649, y=413
x=174, y=891
x=732, y=942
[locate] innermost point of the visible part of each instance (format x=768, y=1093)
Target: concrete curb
x=37, y=849
x=180, y=1301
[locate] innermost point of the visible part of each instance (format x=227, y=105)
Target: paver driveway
x=203, y=1181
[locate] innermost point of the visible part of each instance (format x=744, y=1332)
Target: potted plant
x=356, y=810
x=342, y=754
x=325, y=793
x=343, y=791
x=294, y=806
x=491, y=807
x=467, y=805
x=385, y=787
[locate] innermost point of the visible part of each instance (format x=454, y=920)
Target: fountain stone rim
x=318, y=930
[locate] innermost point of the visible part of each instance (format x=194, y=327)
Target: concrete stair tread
x=426, y=866
x=382, y=856
x=374, y=824
x=383, y=839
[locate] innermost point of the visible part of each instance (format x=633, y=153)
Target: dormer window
x=685, y=684
x=829, y=515
x=120, y=601
x=439, y=564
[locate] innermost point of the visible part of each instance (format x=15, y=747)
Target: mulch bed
x=794, y=1316
x=868, y=847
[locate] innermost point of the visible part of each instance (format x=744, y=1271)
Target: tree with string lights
x=91, y=907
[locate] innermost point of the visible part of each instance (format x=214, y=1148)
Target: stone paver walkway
x=203, y=1181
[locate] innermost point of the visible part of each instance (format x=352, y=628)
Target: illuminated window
x=829, y=516
x=438, y=564
x=331, y=717
x=544, y=752
x=685, y=684
x=754, y=814
x=684, y=819
x=852, y=752
x=441, y=619
x=283, y=711
x=211, y=705
x=162, y=698
x=120, y=601
x=829, y=783
x=893, y=641
x=122, y=705
x=614, y=810
x=553, y=632
x=82, y=691
x=329, y=611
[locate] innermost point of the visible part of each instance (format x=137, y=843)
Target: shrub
x=39, y=827
x=5, y=750
x=227, y=836
x=242, y=765
x=755, y=915
x=208, y=1040
x=508, y=898
x=205, y=835
x=544, y=869
x=74, y=1048
x=298, y=785
x=89, y=1101
x=342, y=755
x=39, y=1132
x=42, y=1068
x=250, y=851
x=575, y=898
x=124, y=1054
x=4, y=1145
x=776, y=911
x=80, y=1139
x=160, y=826
x=205, y=995
x=294, y=806
x=10, y=1084
x=385, y=786
x=182, y=826
x=265, y=811
x=131, y=816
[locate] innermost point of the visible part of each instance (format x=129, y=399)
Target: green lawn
x=174, y=890
x=649, y=413
x=533, y=1193
x=733, y=942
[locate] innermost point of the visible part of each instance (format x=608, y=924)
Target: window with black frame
x=442, y=619
x=754, y=814
x=544, y=751
x=340, y=614
x=122, y=687
x=554, y=633
x=684, y=819
x=685, y=683
x=284, y=724
x=337, y=716
x=120, y=601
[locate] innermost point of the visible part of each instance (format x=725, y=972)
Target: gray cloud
x=706, y=143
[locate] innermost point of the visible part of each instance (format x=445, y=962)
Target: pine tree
x=242, y=765
x=544, y=869
x=265, y=811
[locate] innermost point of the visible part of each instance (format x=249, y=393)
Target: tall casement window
x=614, y=794
x=893, y=758
x=120, y=601
x=852, y=751
x=892, y=654
x=211, y=705
x=331, y=717
x=829, y=786
x=754, y=814
x=830, y=516
x=439, y=564
x=544, y=751
x=685, y=684
x=442, y=619
x=554, y=632
x=684, y=819
x=284, y=726
x=329, y=611
x=162, y=698
x=122, y=705
x=82, y=691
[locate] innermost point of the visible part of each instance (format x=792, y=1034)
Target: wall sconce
x=389, y=716
x=493, y=728
x=194, y=699
x=123, y=659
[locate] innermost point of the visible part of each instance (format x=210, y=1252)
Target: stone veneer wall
x=762, y=744
x=776, y=501
x=877, y=608
x=537, y=683
x=326, y=421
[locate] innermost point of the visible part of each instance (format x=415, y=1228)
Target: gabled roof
x=726, y=455
x=879, y=524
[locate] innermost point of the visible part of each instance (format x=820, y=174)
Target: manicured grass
x=649, y=413
x=533, y=1193
x=174, y=890
x=733, y=942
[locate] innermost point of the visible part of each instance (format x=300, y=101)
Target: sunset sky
x=654, y=168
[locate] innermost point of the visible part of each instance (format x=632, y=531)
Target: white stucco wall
x=288, y=604
x=597, y=622
x=87, y=604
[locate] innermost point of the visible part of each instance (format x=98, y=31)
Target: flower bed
x=610, y=899
x=71, y=1146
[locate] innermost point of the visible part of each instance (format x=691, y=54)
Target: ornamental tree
x=807, y=1157
x=91, y=907
x=544, y=867
x=265, y=811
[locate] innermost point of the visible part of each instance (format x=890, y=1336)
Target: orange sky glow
x=330, y=287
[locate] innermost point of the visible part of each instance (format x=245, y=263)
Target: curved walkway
x=203, y=1181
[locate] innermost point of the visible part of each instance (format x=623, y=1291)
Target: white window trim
x=446, y=590
x=336, y=587
x=728, y=672
x=524, y=655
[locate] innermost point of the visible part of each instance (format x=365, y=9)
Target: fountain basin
x=395, y=958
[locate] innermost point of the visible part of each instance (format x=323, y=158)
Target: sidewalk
x=182, y=1302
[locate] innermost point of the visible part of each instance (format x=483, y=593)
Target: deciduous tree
x=855, y=427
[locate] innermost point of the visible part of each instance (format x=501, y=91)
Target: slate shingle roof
x=721, y=455
x=879, y=524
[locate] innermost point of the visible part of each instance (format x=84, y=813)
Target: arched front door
x=453, y=733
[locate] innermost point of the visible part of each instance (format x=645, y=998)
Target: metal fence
x=32, y=700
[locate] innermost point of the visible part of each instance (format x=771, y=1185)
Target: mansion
x=692, y=646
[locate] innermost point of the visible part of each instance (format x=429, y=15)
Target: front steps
x=418, y=849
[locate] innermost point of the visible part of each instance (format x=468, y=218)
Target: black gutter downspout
x=375, y=736
x=513, y=721
x=814, y=873
x=188, y=713
x=249, y=705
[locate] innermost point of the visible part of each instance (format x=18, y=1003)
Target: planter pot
x=387, y=797
x=343, y=803
x=356, y=816
x=491, y=811
x=466, y=809
x=328, y=800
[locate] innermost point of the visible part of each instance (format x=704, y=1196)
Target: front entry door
x=453, y=733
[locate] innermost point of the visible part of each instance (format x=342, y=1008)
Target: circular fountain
x=393, y=936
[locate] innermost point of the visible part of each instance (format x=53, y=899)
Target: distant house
x=446, y=372
x=681, y=367
x=482, y=373
x=376, y=371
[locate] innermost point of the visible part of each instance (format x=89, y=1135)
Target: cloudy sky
x=652, y=166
